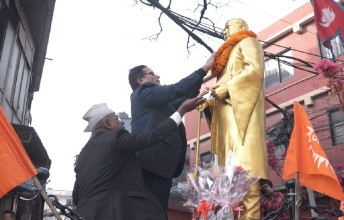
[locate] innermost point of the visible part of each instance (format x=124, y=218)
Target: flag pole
x=312, y=202
x=297, y=173
x=46, y=198
x=297, y=196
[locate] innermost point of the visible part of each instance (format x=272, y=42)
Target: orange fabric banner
x=15, y=164
x=306, y=156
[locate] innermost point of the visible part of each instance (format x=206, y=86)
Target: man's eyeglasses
x=150, y=73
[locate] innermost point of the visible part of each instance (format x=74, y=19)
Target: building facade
x=292, y=48
x=24, y=34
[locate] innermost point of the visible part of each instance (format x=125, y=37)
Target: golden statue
x=236, y=114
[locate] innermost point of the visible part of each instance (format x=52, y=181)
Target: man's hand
x=190, y=104
x=220, y=91
x=209, y=62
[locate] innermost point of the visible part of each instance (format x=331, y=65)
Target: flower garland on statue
x=223, y=52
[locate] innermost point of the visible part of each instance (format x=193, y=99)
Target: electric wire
x=279, y=19
x=212, y=30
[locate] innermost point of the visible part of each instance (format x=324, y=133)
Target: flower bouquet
x=216, y=192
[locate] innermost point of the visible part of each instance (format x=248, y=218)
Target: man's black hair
x=263, y=189
x=134, y=74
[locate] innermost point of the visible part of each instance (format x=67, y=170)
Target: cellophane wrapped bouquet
x=214, y=193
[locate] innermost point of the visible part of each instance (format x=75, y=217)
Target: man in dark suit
x=151, y=103
x=109, y=183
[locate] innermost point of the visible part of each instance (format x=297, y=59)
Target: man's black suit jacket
x=150, y=105
x=109, y=182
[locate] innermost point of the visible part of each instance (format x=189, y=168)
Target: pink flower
x=284, y=154
x=270, y=144
x=327, y=68
x=339, y=166
x=334, y=72
x=340, y=178
x=272, y=159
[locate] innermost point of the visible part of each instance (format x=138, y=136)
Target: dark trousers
x=159, y=186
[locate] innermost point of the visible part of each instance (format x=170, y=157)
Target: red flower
x=238, y=169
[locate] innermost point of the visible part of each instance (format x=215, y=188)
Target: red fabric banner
x=306, y=156
x=15, y=164
x=329, y=20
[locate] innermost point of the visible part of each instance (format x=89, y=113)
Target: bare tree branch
x=217, y=5
x=145, y=3
x=156, y=36
x=190, y=25
x=211, y=30
x=178, y=21
x=169, y=5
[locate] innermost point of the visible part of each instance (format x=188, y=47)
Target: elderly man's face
x=114, y=122
x=232, y=27
x=149, y=76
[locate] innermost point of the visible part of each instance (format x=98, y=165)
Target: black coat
x=109, y=183
x=150, y=105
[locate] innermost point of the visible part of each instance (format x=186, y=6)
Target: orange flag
x=306, y=156
x=15, y=164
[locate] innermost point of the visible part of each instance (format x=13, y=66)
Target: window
x=3, y=23
x=12, y=70
x=206, y=160
x=337, y=45
x=16, y=54
x=18, y=87
x=277, y=70
x=336, y=126
x=24, y=88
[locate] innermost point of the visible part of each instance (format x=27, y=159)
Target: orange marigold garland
x=223, y=52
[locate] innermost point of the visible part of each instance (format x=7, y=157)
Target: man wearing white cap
x=109, y=183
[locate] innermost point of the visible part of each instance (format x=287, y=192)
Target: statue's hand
x=203, y=106
x=220, y=91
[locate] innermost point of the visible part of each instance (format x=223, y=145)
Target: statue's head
x=233, y=26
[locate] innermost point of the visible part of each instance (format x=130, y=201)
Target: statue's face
x=232, y=27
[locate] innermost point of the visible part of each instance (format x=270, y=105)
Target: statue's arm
x=252, y=73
